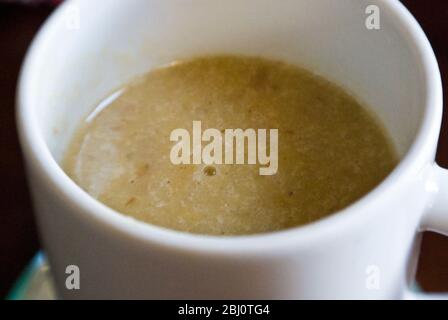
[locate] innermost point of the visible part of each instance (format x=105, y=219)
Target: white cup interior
x=91, y=49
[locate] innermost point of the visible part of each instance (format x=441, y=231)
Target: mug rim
x=415, y=159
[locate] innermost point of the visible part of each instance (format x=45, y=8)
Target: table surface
x=18, y=237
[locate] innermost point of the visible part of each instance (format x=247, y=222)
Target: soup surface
x=331, y=150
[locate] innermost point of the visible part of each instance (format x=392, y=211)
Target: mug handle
x=435, y=219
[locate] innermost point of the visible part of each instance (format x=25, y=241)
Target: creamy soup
x=331, y=149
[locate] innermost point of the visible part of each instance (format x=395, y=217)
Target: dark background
x=18, y=238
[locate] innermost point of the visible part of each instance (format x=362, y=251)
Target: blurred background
x=20, y=20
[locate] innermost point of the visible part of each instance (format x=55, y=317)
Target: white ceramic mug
x=368, y=250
